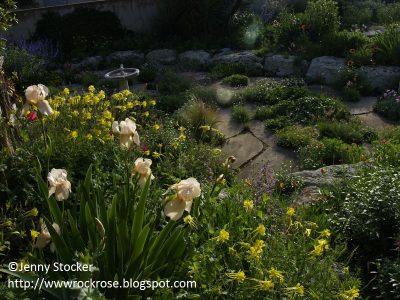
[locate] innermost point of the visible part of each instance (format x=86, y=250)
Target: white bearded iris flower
x=142, y=168
x=35, y=95
x=127, y=133
x=59, y=184
x=44, y=237
x=186, y=191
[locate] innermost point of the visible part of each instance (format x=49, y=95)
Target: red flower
x=144, y=147
x=32, y=116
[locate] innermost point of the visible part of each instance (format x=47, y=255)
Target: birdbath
x=122, y=74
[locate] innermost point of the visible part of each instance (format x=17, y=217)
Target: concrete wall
x=135, y=15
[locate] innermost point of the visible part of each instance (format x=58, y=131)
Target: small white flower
x=59, y=184
x=127, y=133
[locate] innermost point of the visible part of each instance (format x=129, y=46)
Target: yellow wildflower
x=238, y=276
x=101, y=95
x=290, y=212
x=146, y=114
x=87, y=115
x=73, y=135
x=182, y=138
x=66, y=91
x=75, y=113
x=265, y=285
x=189, y=220
x=34, y=234
x=261, y=230
x=147, y=152
x=89, y=137
x=156, y=154
x=130, y=105
x=298, y=289
x=32, y=213
x=56, y=113
x=152, y=102
x=91, y=89
x=248, y=204
x=320, y=247
x=325, y=233
x=223, y=236
x=107, y=114
x=205, y=127
x=353, y=293
x=156, y=126
x=216, y=151
x=144, y=104
x=275, y=274
x=307, y=232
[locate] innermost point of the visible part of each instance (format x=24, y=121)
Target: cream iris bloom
x=186, y=190
x=127, y=132
x=44, y=237
x=35, y=95
x=59, y=184
x=142, y=168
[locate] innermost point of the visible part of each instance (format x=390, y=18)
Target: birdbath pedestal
x=122, y=74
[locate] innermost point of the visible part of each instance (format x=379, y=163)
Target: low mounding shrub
x=329, y=152
x=388, y=105
x=352, y=85
x=348, y=132
x=236, y=80
x=241, y=114
x=222, y=70
x=369, y=214
x=172, y=83
x=340, y=43
x=171, y=103
x=271, y=92
x=294, y=137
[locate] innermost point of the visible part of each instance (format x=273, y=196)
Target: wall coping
x=23, y=10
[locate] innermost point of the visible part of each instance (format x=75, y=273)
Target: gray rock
x=1, y=62
x=197, y=58
x=130, y=59
x=162, y=56
x=363, y=106
x=325, y=69
x=381, y=77
x=89, y=63
x=282, y=66
x=244, y=147
x=316, y=179
x=227, y=125
x=251, y=62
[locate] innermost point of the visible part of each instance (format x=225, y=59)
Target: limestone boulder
x=325, y=69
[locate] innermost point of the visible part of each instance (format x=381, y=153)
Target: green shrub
x=278, y=122
x=389, y=105
x=387, y=46
x=358, y=13
x=386, y=283
x=271, y=92
x=352, y=84
x=361, y=56
x=172, y=83
x=241, y=114
x=329, y=151
x=294, y=137
x=236, y=80
x=80, y=33
x=389, y=13
x=348, y=132
x=369, y=214
x=342, y=42
x=171, y=103
x=222, y=70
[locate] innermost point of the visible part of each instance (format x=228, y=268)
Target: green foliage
x=369, y=212
x=352, y=84
x=387, y=46
x=295, y=136
x=329, y=151
x=271, y=92
x=236, y=80
x=172, y=83
x=81, y=32
x=389, y=13
x=7, y=16
x=342, y=43
x=362, y=56
x=389, y=105
x=171, y=103
x=387, y=278
x=348, y=132
x=241, y=114
x=222, y=70
x=358, y=13
x=27, y=67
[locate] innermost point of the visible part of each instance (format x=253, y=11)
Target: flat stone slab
x=226, y=125
x=261, y=132
x=375, y=121
x=244, y=147
x=274, y=156
x=365, y=105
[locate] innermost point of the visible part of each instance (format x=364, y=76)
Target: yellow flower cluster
x=321, y=246
x=350, y=294
x=256, y=250
x=223, y=236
